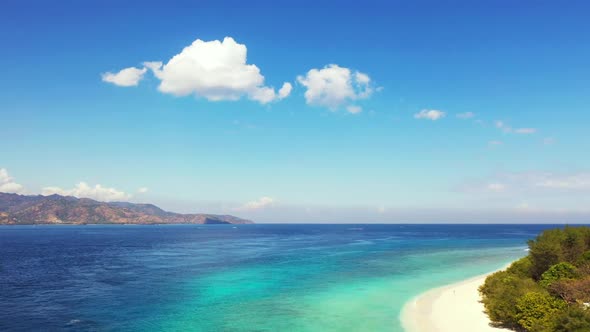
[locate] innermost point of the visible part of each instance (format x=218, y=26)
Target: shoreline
x=450, y=308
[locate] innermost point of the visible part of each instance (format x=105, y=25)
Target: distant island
x=56, y=209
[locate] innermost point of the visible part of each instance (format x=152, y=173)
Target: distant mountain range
x=56, y=209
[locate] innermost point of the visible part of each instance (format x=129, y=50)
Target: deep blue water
x=236, y=278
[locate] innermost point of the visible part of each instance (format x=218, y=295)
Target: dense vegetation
x=546, y=291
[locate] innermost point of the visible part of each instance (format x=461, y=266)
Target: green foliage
x=573, y=319
x=559, y=245
x=521, y=267
x=537, y=311
x=557, y=272
x=574, y=244
x=544, y=291
x=501, y=292
x=545, y=251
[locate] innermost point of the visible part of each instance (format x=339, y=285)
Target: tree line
x=546, y=291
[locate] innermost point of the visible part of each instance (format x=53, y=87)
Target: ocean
x=263, y=277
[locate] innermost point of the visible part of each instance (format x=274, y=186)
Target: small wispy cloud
x=508, y=129
x=579, y=181
x=532, y=183
x=125, y=77
x=259, y=204
x=353, y=109
x=430, y=114
x=525, y=131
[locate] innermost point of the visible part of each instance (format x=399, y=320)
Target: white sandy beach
x=452, y=308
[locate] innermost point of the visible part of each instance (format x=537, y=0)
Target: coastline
x=451, y=308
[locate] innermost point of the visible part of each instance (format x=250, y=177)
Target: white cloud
x=258, y=204
x=353, y=109
x=525, y=131
x=216, y=70
x=142, y=190
x=334, y=86
x=549, y=141
x=508, y=129
x=82, y=189
x=285, y=91
x=539, y=190
x=362, y=78
x=579, y=181
x=7, y=184
x=125, y=77
x=466, y=115
x=534, y=183
x=430, y=114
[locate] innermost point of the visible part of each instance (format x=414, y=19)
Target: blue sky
x=461, y=111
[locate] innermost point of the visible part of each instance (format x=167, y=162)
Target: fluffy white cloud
x=334, y=86
x=7, y=184
x=216, y=70
x=82, y=189
x=258, y=204
x=466, y=115
x=142, y=190
x=430, y=115
x=125, y=77
x=508, y=129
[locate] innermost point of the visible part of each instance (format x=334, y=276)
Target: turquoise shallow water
x=366, y=295
x=238, y=278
